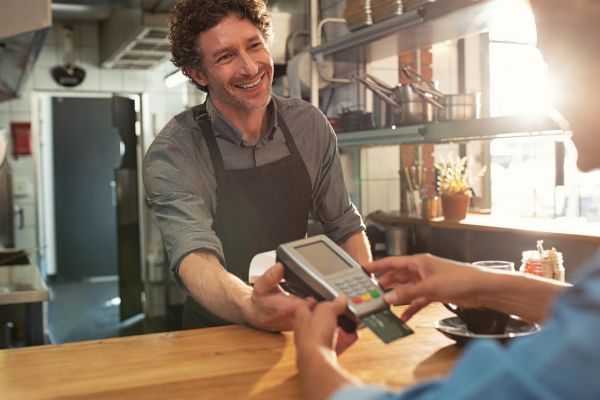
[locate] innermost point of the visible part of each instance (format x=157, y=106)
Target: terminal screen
x=323, y=258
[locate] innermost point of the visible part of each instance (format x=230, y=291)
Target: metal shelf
x=432, y=23
x=454, y=131
x=381, y=137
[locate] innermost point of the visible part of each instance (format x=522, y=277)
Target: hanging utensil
x=424, y=84
x=377, y=90
x=384, y=105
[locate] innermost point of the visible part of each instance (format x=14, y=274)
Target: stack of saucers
x=357, y=14
x=382, y=9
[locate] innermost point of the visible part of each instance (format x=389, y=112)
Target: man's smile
x=251, y=84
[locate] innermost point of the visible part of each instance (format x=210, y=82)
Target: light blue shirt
x=560, y=362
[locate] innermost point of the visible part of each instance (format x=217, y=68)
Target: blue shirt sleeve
x=560, y=362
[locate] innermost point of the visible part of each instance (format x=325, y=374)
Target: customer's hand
x=420, y=279
x=317, y=328
x=318, y=342
x=270, y=307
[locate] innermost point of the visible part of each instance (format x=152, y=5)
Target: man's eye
x=224, y=58
x=256, y=45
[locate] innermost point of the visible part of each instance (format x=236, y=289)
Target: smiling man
x=243, y=172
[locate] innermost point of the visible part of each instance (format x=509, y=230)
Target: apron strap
x=203, y=120
x=288, y=135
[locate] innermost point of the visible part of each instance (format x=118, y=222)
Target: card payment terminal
x=318, y=267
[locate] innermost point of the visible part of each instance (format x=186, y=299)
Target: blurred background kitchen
x=85, y=86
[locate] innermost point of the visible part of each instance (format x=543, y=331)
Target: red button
x=357, y=300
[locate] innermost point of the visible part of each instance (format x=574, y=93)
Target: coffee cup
x=481, y=320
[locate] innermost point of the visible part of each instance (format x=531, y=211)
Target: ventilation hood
x=137, y=39
x=24, y=25
x=134, y=39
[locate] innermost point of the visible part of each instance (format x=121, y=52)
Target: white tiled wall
x=445, y=66
x=162, y=102
x=380, y=182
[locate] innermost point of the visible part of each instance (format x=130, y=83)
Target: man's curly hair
x=189, y=18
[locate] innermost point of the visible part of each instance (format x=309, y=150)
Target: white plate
x=456, y=330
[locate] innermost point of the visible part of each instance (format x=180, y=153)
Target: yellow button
x=366, y=297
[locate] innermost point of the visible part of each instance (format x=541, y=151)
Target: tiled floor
x=89, y=310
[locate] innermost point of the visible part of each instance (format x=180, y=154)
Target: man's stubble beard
x=219, y=91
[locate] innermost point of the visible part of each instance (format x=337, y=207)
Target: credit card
x=387, y=326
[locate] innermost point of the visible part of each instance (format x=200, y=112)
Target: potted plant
x=454, y=182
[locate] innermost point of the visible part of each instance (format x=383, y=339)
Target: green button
x=375, y=294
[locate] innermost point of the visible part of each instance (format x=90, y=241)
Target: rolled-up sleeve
x=180, y=190
x=331, y=204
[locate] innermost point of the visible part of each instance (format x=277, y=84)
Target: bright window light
x=519, y=82
x=523, y=171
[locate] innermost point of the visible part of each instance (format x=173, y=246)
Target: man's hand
x=418, y=280
x=270, y=307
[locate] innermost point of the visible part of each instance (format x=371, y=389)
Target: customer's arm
x=527, y=296
x=560, y=361
x=266, y=306
x=318, y=341
x=420, y=279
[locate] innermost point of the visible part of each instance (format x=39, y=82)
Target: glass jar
x=547, y=264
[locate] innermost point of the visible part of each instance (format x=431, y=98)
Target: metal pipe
x=322, y=24
x=314, y=38
x=292, y=40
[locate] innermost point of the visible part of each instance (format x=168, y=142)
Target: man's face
x=237, y=66
x=568, y=34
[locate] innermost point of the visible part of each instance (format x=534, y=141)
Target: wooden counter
x=232, y=362
x=560, y=228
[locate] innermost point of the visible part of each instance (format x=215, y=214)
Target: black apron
x=257, y=209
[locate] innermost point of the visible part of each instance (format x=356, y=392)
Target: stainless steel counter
x=22, y=295
x=22, y=284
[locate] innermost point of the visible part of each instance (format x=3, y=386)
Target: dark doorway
x=96, y=194
x=86, y=151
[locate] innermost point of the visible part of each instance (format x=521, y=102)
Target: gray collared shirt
x=181, y=187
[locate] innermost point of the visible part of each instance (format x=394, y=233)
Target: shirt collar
x=225, y=129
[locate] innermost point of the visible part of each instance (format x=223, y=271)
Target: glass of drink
x=497, y=265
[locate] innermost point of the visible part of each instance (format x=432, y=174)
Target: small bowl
x=456, y=330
